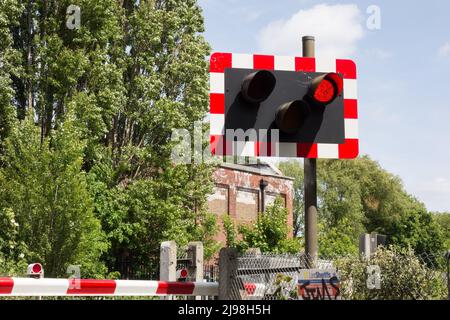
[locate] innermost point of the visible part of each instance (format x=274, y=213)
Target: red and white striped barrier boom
x=85, y=287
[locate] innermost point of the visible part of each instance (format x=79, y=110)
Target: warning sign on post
x=318, y=284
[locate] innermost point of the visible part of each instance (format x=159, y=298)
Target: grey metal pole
x=309, y=49
x=310, y=183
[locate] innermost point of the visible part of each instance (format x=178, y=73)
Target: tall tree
x=9, y=66
x=359, y=196
x=131, y=73
x=443, y=219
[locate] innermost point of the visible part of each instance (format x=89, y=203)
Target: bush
x=270, y=233
x=12, y=250
x=46, y=213
x=403, y=276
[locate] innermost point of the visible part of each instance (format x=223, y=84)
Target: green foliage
x=88, y=172
x=44, y=192
x=270, y=233
x=419, y=231
x=138, y=216
x=230, y=232
x=337, y=240
x=357, y=197
x=9, y=66
x=443, y=219
x=205, y=231
x=12, y=250
x=340, y=195
x=295, y=170
x=284, y=290
x=404, y=276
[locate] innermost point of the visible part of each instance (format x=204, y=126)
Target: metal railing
x=396, y=275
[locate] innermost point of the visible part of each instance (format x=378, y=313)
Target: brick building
x=242, y=192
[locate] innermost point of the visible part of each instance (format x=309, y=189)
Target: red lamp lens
x=183, y=273
x=37, y=268
x=337, y=81
x=325, y=91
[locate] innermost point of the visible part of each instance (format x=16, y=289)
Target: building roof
x=261, y=168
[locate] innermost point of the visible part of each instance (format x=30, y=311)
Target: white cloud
x=444, y=51
x=337, y=29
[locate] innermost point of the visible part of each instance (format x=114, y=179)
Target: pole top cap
x=306, y=38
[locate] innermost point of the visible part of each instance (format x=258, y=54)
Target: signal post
x=310, y=183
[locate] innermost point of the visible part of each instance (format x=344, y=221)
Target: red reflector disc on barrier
x=37, y=268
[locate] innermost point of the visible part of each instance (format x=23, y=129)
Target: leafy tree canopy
x=358, y=196
x=86, y=117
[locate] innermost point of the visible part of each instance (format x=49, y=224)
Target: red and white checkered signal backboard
x=219, y=62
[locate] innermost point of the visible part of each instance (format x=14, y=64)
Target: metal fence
x=258, y=276
x=211, y=272
x=130, y=268
x=137, y=269
x=267, y=276
x=387, y=275
x=210, y=268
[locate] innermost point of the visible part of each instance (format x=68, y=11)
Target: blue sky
x=403, y=72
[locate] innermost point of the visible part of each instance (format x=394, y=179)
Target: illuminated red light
x=326, y=88
x=325, y=91
x=37, y=268
x=337, y=80
x=183, y=273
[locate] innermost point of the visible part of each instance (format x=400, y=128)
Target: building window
x=269, y=198
x=218, y=200
x=247, y=205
